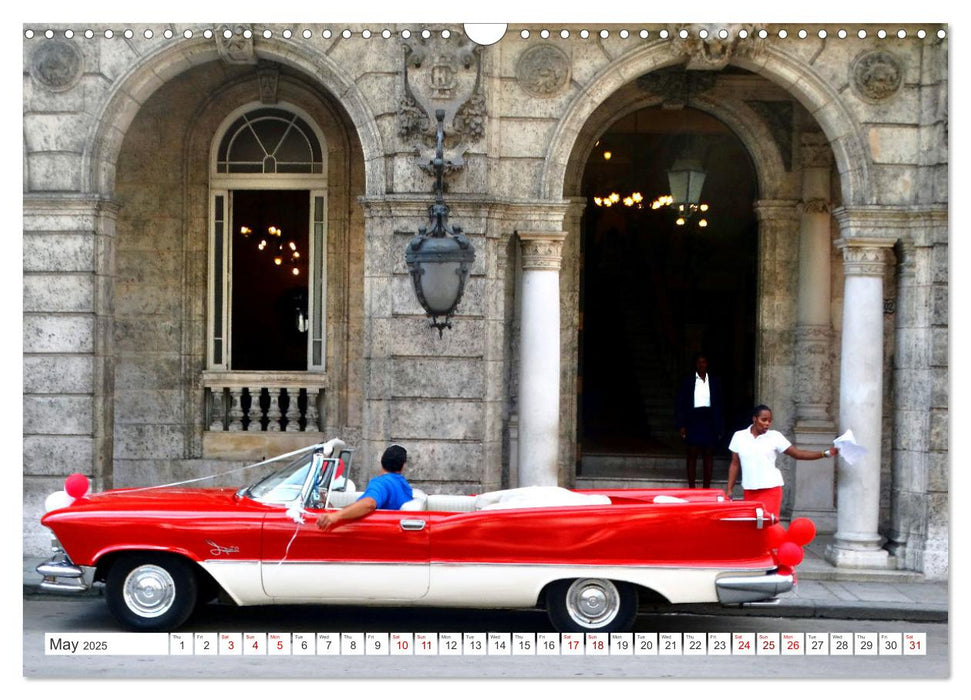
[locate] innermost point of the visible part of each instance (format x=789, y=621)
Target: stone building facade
x=146, y=358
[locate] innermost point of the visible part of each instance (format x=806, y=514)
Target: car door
x=383, y=556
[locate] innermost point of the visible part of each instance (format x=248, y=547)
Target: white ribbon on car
x=231, y=471
x=295, y=512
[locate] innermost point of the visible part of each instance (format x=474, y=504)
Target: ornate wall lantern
x=440, y=256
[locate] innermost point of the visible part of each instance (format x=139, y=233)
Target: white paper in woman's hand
x=850, y=450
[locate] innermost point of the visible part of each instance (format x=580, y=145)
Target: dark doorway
x=654, y=293
x=270, y=240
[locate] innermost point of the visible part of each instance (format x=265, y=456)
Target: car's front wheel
x=591, y=605
x=151, y=592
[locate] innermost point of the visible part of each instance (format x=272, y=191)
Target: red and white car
x=588, y=557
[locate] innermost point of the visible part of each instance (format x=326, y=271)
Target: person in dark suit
x=699, y=419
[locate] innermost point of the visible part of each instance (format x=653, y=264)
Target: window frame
x=222, y=185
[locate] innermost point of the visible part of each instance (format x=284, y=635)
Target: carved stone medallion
x=876, y=75
x=56, y=65
x=543, y=70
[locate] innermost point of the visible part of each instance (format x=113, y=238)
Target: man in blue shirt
x=387, y=492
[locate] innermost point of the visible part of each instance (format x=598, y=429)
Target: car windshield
x=284, y=485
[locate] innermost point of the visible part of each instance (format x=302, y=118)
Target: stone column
x=812, y=488
x=776, y=311
x=857, y=543
x=539, y=364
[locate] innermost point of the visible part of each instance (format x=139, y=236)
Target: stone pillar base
x=824, y=520
x=812, y=490
x=855, y=558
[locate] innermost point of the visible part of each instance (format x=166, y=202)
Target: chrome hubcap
x=592, y=602
x=149, y=591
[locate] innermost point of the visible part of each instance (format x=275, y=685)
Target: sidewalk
x=822, y=591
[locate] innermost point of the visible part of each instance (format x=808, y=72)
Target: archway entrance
x=654, y=293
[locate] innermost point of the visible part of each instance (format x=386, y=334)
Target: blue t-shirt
x=390, y=491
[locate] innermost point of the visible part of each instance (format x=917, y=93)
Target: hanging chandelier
x=686, y=178
x=283, y=249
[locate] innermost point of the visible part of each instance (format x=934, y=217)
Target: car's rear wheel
x=591, y=605
x=151, y=592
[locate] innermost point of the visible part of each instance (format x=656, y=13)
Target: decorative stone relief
x=238, y=47
x=777, y=115
x=541, y=253
x=56, y=65
x=815, y=206
x=876, y=76
x=269, y=79
x=712, y=52
x=675, y=86
x=814, y=371
x=469, y=121
x=442, y=74
x=543, y=70
x=815, y=150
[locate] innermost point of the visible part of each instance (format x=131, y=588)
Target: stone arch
x=105, y=139
x=820, y=99
x=745, y=125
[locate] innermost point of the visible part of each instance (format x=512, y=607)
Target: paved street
x=90, y=615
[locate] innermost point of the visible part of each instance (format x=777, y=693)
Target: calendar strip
x=487, y=644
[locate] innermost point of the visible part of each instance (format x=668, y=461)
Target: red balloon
x=784, y=570
x=790, y=554
x=775, y=535
x=802, y=531
x=76, y=485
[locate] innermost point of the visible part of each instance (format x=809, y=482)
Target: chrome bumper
x=733, y=590
x=60, y=574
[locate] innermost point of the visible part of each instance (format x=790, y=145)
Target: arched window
x=269, y=141
x=267, y=252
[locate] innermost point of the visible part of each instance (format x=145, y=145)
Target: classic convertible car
x=588, y=557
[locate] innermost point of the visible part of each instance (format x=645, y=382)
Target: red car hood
x=152, y=500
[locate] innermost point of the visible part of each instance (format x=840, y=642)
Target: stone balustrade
x=264, y=401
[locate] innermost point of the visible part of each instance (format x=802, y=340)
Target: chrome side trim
x=622, y=565
x=305, y=562
x=733, y=590
x=759, y=519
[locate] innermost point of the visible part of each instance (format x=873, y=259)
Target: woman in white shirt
x=754, y=450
